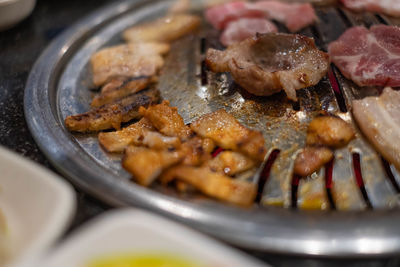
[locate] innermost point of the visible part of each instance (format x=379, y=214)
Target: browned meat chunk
x=167, y=120
x=112, y=115
x=159, y=141
x=311, y=159
x=165, y=29
x=215, y=184
x=146, y=165
x=195, y=151
x=228, y=133
x=230, y=163
x=127, y=60
x=379, y=120
x=270, y=62
x=330, y=131
x=120, y=89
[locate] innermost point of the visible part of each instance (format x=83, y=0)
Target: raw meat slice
x=389, y=7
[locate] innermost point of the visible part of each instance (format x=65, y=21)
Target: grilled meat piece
x=119, y=89
x=112, y=115
x=196, y=150
x=368, y=57
x=146, y=164
x=159, y=141
x=228, y=133
x=215, y=184
x=167, y=120
x=127, y=60
x=230, y=163
x=311, y=159
x=164, y=29
x=329, y=131
x=379, y=120
x=243, y=28
x=117, y=141
x=270, y=62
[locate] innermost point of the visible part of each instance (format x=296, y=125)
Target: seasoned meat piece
x=196, y=150
x=379, y=120
x=164, y=29
x=389, y=7
x=167, y=120
x=117, y=141
x=230, y=163
x=146, y=164
x=159, y=141
x=271, y=62
x=112, y=115
x=220, y=15
x=243, y=28
x=113, y=92
x=295, y=16
x=330, y=131
x=228, y=133
x=127, y=60
x=215, y=184
x=311, y=159
x=368, y=57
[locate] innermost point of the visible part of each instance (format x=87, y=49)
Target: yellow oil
x=142, y=260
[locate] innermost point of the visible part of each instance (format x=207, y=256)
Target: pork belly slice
x=379, y=120
x=230, y=163
x=119, y=89
x=164, y=29
x=311, y=159
x=220, y=15
x=243, y=28
x=112, y=115
x=196, y=150
x=368, y=57
x=330, y=131
x=295, y=16
x=214, y=184
x=389, y=7
x=270, y=62
x=228, y=133
x=167, y=120
x=127, y=60
x=146, y=164
x=117, y=141
x=158, y=141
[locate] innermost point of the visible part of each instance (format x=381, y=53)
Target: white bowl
x=36, y=205
x=136, y=232
x=13, y=11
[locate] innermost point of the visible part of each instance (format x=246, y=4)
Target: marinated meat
x=295, y=16
x=119, y=89
x=117, y=141
x=243, y=28
x=311, y=159
x=228, y=133
x=215, y=184
x=155, y=140
x=167, y=120
x=162, y=30
x=329, y=131
x=369, y=57
x=230, y=163
x=219, y=16
x=146, y=164
x=196, y=150
x=127, y=60
x=379, y=120
x=271, y=62
x=389, y=7
x=112, y=115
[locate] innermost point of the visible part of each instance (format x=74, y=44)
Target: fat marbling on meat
x=379, y=120
x=389, y=7
x=270, y=62
x=369, y=57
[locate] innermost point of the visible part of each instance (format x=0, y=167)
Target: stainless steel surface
x=58, y=86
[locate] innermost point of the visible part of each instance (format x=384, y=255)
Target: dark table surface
x=19, y=48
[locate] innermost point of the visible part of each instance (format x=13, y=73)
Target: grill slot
x=195, y=90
